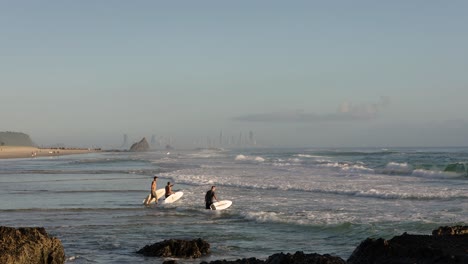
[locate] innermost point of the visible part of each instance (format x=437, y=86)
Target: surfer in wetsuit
x=210, y=195
x=169, y=189
x=153, y=190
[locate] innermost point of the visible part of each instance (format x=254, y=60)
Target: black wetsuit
x=209, y=199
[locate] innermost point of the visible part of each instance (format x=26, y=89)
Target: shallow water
x=313, y=200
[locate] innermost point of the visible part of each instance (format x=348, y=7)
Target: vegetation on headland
x=9, y=138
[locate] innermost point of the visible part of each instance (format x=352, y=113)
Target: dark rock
x=450, y=231
x=407, y=248
x=140, y=146
x=177, y=248
x=29, y=245
x=300, y=258
x=368, y=251
x=170, y=262
x=239, y=261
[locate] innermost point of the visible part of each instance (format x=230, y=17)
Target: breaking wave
x=241, y=157
x=434, y=174
x=398, y=168
x=353, y=189
x=347, y=167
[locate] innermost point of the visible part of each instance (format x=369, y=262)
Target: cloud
x=346, y=112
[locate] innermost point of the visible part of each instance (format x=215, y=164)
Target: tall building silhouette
x=220, y=138
x=125, y=141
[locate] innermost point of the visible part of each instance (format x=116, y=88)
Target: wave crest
x=241, y=157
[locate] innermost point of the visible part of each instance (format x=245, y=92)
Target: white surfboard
x=173, y=197
x=159, y=193
x=221, y=205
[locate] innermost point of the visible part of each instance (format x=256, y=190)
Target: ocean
x=322, y=201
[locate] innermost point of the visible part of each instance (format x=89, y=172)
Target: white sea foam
x=357, y=168
x=324, y=161
x=434, y=174
x=310, y=156
x=259, y=159
x=241, y=157
x=72, y=258
x=281, y=164
x=332, y=165
x=262, y=216
x=295, y=160
x=398, y=168
x=346, y=167
x=373, y=186
x=300, y=218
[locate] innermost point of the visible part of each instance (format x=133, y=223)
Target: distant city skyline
x=297, y=74
x=160, y=142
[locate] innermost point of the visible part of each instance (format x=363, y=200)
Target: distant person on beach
x=210, y=196
x=153, y=190
x=169, y=189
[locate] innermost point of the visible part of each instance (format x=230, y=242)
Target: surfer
x=153, y=190
x=210, y=195
x=169, y=189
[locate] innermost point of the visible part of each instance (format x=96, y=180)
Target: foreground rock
x=298, y=258
x=446, y=245
x=29, y=245
x=177, y=248
x=140, y=146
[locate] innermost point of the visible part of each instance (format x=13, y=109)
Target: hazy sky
x=296, y=73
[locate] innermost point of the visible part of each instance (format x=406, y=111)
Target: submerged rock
x=298, y=258
x=239, y=261
x=438, y=248
x=29, y=245
x=170, y=262
x=140, y=146
x=177, y=248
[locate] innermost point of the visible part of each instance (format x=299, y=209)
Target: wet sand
x=12, y=152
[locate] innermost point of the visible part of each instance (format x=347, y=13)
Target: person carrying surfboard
x=210, y=195
x=169, y=189
x=153, y=190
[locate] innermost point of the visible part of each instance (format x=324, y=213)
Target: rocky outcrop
x=177, y=248
x=15, y=139
x=140, y=146
x=450, y=231
x=239, y=261
x=448, y=245
x=297, y=258
x=29, y=245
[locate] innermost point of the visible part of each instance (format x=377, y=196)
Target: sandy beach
x=11, y=152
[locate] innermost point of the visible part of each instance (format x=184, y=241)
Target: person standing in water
x=153, y=190
x=169, y=189
x=210, y=197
